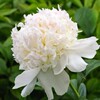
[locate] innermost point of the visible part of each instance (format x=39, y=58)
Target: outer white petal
x=60, y=65
x=86, y=47
x=76, y=63
x=29, y=88
x=59, y=82
x=26, y=77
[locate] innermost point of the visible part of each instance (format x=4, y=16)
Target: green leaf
x=5, y=19
x=5, y=12
x=96, y=98
x=17, y=94
x=2, y=5
x=71, y=93
x=82, y=90
x=87, y=20
x=8, y=53
x=5, y=50
x=38, y=88
x=73, y=85
x=88, y=3
x=7, y=45
x=92, y=64
x=77, y=2
x=5, y=25
x=92, y=85
x=2, y=51
x=74, y=82
x=3, y=67
x=14, y=71
x=16, y=2
x=8, y=42
x=71, y=12
x=96, y=5
x=13, y=76
x=80, y=77
x=25, y=8
x=3, y=86
x=98, y=31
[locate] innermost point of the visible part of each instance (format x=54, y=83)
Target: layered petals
x=82, y=48
x=59, y=82
x=44, y=46
x=26, y=77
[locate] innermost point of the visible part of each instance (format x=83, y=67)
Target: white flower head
x=44, y=46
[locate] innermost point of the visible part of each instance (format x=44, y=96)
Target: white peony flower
x=44, y=46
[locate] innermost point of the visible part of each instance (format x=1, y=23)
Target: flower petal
x=60, y=65
x=76, y=63
x=26, y=77
x=59, y=82
x=86, y=47
x=29, y=88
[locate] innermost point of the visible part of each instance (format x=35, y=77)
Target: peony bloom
x=44, y=46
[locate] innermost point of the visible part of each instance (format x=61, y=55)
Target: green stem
x=77, y=94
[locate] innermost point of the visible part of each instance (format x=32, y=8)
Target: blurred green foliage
x=84, y=85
